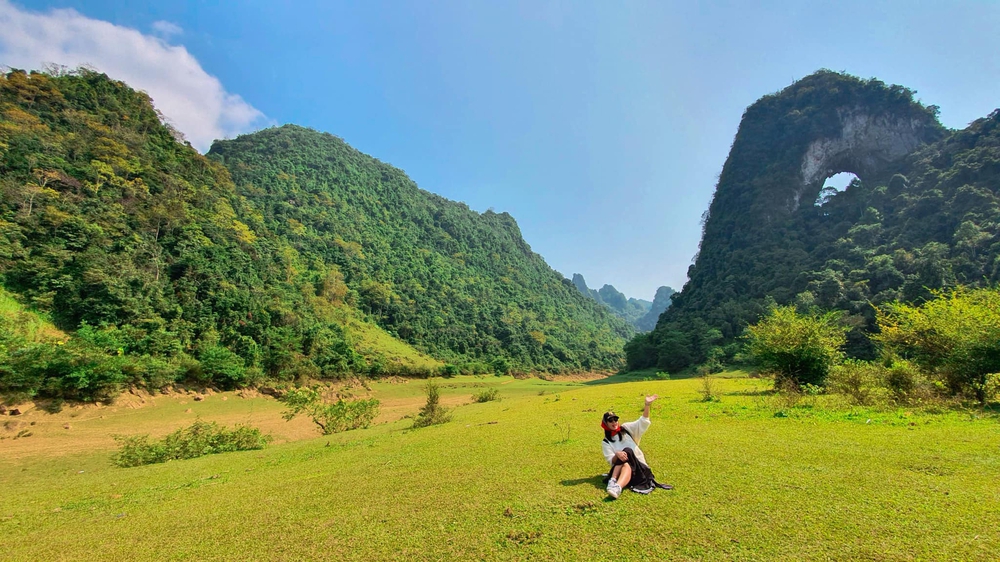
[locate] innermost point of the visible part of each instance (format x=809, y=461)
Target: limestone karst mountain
x=922, y=214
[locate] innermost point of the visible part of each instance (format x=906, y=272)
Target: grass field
x=757, y=477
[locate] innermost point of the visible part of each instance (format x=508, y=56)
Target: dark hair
x=609, y=438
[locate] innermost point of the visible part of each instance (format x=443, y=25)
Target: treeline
x=928, y=222
x=160, y=269
x=948, y=346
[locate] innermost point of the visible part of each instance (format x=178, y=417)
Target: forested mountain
x=661, y=301
x=630, y=309
x=641, y=314
x=446, y=279
x=320, y=261
x=923, y=215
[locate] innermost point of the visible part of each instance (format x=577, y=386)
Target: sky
x=601, y=126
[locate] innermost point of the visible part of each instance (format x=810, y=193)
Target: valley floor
x=756, y=477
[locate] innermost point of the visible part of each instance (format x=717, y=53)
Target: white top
x=636, y=429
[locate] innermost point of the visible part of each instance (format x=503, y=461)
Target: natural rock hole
x=833, y=185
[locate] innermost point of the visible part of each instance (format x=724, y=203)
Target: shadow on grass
x=634, y=376
x=761, y=392
x=595, y=481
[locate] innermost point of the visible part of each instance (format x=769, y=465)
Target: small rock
x=15, y=412
x=32, y=423
x=197, y=398
x=65, y=426
x=224, y=398
x=3, y=409
x=188, y=411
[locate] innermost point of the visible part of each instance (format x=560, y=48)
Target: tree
x=956, y=334
x=797, y=348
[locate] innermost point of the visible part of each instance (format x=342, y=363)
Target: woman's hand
x=622, y=456
x=649, y=400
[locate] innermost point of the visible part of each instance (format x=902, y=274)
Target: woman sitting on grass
x=621, y=450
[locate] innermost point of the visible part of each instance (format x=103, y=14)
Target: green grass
x=369, y=338
x=30, y=325
x=519, y=479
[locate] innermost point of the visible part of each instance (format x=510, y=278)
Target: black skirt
x=642, y=481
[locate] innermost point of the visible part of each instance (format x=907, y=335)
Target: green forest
x=925, y=222
x=281, y=255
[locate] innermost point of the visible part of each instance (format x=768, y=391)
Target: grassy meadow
x=757, y=476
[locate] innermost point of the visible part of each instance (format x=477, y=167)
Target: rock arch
x=866, y=146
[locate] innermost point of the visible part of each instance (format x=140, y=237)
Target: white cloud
x=193, y=100
x=166, y=28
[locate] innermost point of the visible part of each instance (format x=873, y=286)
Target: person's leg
x=616, y=471
x=624, y=475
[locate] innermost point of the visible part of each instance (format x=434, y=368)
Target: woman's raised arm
x=649, y=400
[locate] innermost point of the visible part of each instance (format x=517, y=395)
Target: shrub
x=201, y=438
x=955, y=335
x=707, y=390
x=796, y=347
x=906, y=383
x=335, y=417
x=432, y=413
x=221, y=366
x=864, y=382
x=487, y=395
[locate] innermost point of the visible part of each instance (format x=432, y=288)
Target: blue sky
x=600, y=126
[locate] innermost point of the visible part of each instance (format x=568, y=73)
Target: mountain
x=317, y=261
x=661, y=301
x=923, y=214
x=641, y=314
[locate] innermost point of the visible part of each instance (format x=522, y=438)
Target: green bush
x=955, y=335
x=864, y=382
x=487, y=395
x=201, y=438
x=335, y=417
x=221, y=366
x=432, y=413
x=796, y=347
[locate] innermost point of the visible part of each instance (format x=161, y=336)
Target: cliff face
x=867, y=144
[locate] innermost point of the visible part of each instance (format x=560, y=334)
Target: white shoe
x=614, y=490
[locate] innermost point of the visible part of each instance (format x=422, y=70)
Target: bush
x=487, y=395
x=955, y=335
x=870, y=383
x=432, y=413
x=201, y=438
x=864, y=382
x=335, y=417
x=796, y=347
x=708, y=391
x=221, y=366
